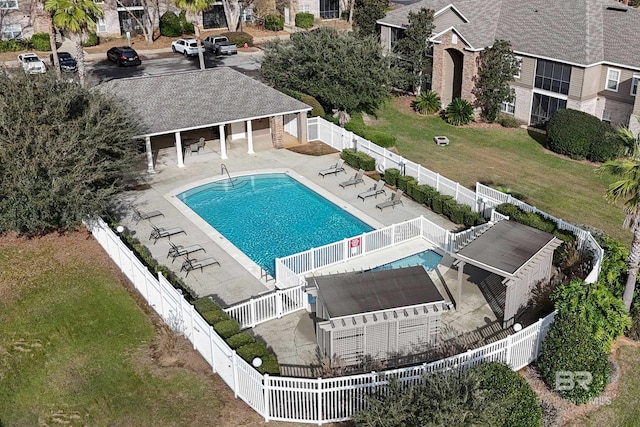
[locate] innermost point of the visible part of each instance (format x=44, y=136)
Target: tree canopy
x=339, y=69
x=365, y=15
x=64, y=151
x=414, y=50
x=496, y=67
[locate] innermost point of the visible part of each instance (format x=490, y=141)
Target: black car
x=67, y=62
x=123, y=56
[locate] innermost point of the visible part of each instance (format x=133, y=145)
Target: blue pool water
x=428, y=259
x=271, y=216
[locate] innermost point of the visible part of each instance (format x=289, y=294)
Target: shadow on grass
x=538, y=135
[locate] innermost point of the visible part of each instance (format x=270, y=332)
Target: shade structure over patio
x=520, y=254
x=377, y=314
x=219, y=98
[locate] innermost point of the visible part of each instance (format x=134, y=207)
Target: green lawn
x=565, y=188
x=75, y=349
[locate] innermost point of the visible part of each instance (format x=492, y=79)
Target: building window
x=8, y=4
x=305, y=8
x=543, y=108
x=508, y=107
x=329, y=9
x=11, y=31
x=517, y=74
x=397, y=34
x=606, y=117
x=634, y=85
x=613, y=79
x=553, y=76
x=101, y=26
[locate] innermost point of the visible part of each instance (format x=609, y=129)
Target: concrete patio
x=238, y=278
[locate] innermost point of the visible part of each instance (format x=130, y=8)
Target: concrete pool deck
x=238, y=278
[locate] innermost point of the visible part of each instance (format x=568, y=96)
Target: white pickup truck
x=219, y=45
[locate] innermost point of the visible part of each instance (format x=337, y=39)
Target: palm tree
x=78, y=17
x=627, y=190
x=195, y=6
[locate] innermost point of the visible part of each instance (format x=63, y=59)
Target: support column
x=460, y=276
x=179, y=152
x=302, y=128
x=147, y=147
x=223, y=143
x=250, y=138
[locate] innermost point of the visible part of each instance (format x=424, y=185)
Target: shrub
x=507, y=121
x=391, y=176
x=412, y=184
x=472, y=219
x=531, y=219
x=436, y=203
x=356, y=124
x=40, y=41
x=402, y=182
x=238, y=340
x=92, y=40
x=227, y=328
x=448, y=204
x=366, y=162
x=459, y=112
x=304, y=20
x=331, y=118
x=350, y=156
x=609, y=148
x=381, y=138
x=215, y=316
x=269, y=365
x=274, y=22
x=573, y=133
x=250, y=351
x=570, y=346
x=170, y=25
x=428, y=102
x=420, y=192
x=204, y=304
x=603, y=314
x=11, y=45
x=458, y=212
x=185, y=26
x=239, y=38
x=613, y=272
x=518, y=403
x=316, y=107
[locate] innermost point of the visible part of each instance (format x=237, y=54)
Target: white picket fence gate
x=320, y=401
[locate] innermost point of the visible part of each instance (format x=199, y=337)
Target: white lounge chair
x=357, y=179
x=180, y=250
x=191, y=264
x=396, y=198
x=373, y=191
x=335, y=168
x=158, y=233
x=139, y=216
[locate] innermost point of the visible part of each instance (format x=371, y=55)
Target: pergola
x=520, y=254
x=376, y=313
x=218, y=98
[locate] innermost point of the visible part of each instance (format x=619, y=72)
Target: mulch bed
x=313, y=148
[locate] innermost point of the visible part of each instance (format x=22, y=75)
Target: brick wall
x=469, y=67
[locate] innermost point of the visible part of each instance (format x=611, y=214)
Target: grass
x=514, y=158
x=76, y=349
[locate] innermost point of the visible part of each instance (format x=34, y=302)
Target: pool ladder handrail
x=223, y=169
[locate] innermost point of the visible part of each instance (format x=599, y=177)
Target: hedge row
x=380, y=138
x=243, y=343
x=304, y=20
x=429, y=196
x=358, y=159
x=239, y=38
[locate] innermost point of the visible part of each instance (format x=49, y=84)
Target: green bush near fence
x=402, y=182
x=358, y=159
x=249, y=352
x=391, y=176
x=238, y=340
x=227, y=328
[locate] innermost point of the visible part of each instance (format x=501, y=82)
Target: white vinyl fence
x=315, y=401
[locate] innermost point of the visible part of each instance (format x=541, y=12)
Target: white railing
x=267, y=307
x=315, y=401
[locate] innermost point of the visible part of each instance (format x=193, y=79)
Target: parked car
x=123, y=56
x=67, y=62
x=219, y=45
x=187, y=47
x=31, y=63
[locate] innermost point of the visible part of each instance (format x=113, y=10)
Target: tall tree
x=414, y=50
x=232, y=10
x=365, y=15
x=627, y=190
x=196, y=7
x=64, y=152
x=342, y=71
x=497, y=65
x=78, y=17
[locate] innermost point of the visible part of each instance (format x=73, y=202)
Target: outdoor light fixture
x=402, y=165
x=120, y=229
x=517, y=327
x=256, y=362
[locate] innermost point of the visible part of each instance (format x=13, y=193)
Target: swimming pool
x=271, y=216
x=429, y=259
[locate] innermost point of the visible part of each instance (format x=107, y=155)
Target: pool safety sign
x=354, y=245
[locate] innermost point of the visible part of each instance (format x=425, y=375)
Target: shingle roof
x=199, y=98
x=581, y=32
x=355, y=293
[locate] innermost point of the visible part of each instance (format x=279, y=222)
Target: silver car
x=31, y=63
